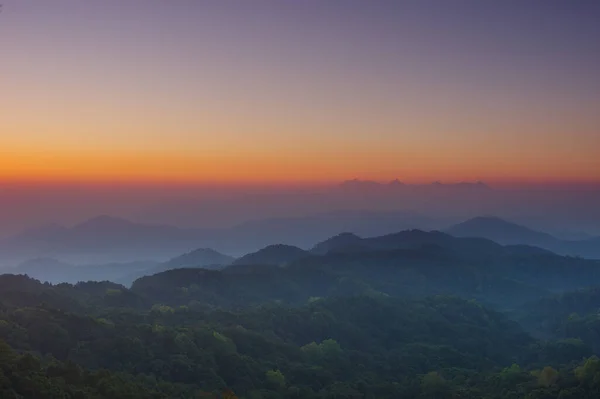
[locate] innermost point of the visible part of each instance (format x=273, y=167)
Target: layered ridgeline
x=108, y=239
x=409, y=264
x=413, y=314
x=100, y=340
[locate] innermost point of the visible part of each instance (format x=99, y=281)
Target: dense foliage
x=422, y=322
x=504, y=281
x=78, y=341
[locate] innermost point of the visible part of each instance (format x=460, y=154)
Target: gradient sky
x=299, y=91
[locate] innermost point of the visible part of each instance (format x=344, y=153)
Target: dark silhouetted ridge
x=278, y=254
x=410, y=240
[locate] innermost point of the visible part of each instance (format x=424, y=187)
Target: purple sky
x=289, y=91
x=301, y=90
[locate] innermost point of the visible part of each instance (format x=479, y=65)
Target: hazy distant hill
x=202, y=257
x=501, y=231
x=101, y=239
x=199, y=258
x=278, y=255
x=107, y=239
x=205, y=258
x=505, y=232
x=304, y=231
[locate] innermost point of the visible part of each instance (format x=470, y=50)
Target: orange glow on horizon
x=275, y=169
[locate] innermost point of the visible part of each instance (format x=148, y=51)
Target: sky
x=308, y=91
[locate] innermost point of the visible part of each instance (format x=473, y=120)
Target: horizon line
x=184, y=183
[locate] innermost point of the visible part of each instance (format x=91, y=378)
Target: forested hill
x=355, y=347
x=503, y=280
x=564, y=316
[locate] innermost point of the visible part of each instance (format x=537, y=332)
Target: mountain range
x=108, y=240
x=414, y=300
x=508, y=233
x=434, y=243
x=105, y=239
x=410, y=263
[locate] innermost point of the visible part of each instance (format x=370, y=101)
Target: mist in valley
x=299, y=199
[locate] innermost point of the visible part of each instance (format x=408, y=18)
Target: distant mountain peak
x=357, y=183
x=200, y=257
x=204, y=254
x=205, y=251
